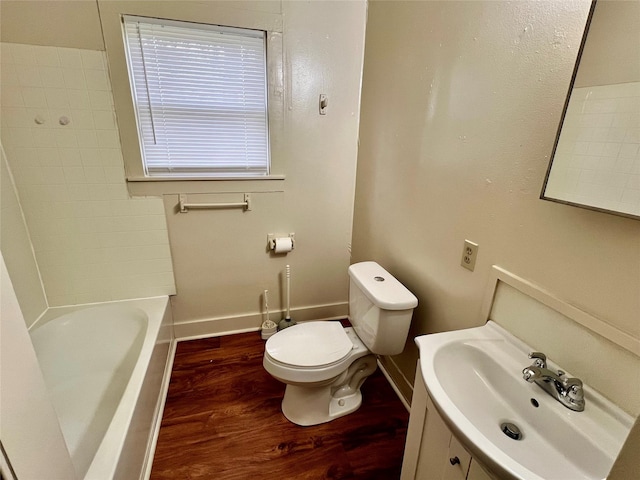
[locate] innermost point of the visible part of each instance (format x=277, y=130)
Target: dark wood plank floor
x=222, y=421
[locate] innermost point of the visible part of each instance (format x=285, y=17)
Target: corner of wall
x=17, y=249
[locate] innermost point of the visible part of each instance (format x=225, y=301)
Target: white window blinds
x=200, y=95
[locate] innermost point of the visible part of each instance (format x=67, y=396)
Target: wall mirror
x=596, y=158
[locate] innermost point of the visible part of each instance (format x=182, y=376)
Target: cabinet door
x=434, y=451
x=431, y=451
x=457, y=463
x=476, y=472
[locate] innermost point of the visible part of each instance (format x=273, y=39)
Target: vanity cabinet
x=432, y=452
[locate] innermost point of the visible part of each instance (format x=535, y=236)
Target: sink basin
x=474, y=378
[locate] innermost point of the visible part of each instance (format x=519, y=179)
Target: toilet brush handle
x=288, y=292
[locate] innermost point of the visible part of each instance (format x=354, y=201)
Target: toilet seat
x=347, y=347
x=309, y=345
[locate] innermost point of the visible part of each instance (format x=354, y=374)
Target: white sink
x=474, y=378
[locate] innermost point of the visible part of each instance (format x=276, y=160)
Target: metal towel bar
x=184, y=206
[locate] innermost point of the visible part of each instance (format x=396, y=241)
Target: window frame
x=269, y=20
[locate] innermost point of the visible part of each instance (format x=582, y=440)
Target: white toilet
x=324, y=364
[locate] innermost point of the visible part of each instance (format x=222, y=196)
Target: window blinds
x=200, y=94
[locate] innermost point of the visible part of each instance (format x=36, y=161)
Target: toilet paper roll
x=283, y=245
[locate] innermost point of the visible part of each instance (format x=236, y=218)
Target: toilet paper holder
x=271, y=240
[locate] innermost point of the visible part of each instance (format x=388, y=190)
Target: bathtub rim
x=51, y=313
x=108, y=455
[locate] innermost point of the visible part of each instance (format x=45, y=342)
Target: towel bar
x=184, y=206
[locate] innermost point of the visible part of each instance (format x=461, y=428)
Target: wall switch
x=469, y=254
x=322, y=104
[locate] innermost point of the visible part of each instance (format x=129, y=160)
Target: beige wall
x=56, y=23
x=220, y=257
x=612, y=51
x=460, y=106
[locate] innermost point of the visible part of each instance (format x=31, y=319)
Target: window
x=200, y=97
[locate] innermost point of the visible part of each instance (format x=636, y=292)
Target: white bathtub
x=106, y=367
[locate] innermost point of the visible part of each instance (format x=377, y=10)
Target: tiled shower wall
x=598, y=154
x=92, y=242
x=16, y=250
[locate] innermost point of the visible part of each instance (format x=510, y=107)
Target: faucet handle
x=575, y=394
x=571, y=383
x=540, y=359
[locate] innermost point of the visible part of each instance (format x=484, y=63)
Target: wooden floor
x=222, y=421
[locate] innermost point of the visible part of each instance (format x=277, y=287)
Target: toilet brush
x=287, y=321
x=268, y=327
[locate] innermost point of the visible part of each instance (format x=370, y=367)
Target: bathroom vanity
x=432, y=451
x=487, y=404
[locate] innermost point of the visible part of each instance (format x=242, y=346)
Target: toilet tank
x=380, y=308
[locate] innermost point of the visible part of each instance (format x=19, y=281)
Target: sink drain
x=511, y=430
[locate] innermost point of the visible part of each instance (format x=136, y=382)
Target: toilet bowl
x=324, y=364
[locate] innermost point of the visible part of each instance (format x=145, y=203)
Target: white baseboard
x=215, y=327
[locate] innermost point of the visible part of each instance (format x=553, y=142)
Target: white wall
x=460, y=105
x=92, y=242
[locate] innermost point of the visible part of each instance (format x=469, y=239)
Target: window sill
x=170, y=186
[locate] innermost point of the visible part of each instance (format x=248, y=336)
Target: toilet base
x=312, y=405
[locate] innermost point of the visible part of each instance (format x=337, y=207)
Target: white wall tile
x=74, y=79
x=17, y=251
x=8, y=76
x=56, y=97
x=92, y=241
x=70, y=58
x=83, y=119
x=70, y=157
x=104, y=120
x=92, y=59
x=87, y=138
x=100, y=100
x=23, y=54
x=28, y=75
x=16, y=117
x=78, y=99
x=94, y=175
x=97, y=80
x=90, y=156
x=114, y=175
x=74, y=174
x=108, y=139
x=47, y=56
x=34, y=97
x=6, y=55
x=12, y=96
x=66, y=138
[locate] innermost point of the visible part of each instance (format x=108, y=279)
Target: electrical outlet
x=469, y=254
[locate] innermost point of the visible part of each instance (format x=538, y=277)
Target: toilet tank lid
x=382, y=288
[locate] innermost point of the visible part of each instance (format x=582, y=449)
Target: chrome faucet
x=568, y=391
